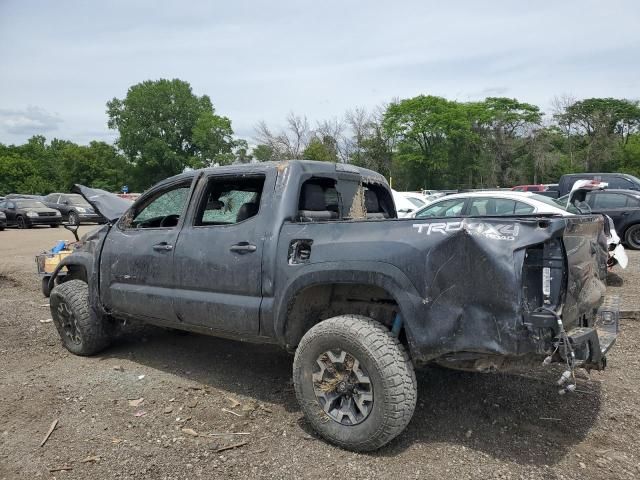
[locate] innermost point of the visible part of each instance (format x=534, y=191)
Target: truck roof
x=304, y=166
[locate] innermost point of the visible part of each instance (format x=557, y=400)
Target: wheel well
x=76, y=272
x=319, y=302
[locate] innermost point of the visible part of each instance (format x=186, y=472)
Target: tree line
x=421, y=142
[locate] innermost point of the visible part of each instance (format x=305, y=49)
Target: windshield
x=562, y=203
x=29, y=204
x=77, y=200
x=416, y=202
x=552, y=202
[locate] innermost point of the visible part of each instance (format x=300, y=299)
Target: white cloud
x=31, y=121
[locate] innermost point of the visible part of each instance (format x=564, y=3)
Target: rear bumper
x=591, y=344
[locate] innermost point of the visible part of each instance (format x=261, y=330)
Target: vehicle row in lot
x=26, y=212
x=73, y=208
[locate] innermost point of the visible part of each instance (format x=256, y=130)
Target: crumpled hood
x=107, y=204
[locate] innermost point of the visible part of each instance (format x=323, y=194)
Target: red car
x=530, y=188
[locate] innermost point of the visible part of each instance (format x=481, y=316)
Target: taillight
x=542, y=275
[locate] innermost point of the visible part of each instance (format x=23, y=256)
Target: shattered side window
x=163, y=211
x=229, y=200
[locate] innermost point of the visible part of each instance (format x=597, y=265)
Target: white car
x=498, y=203
x=504, y=203
x=407, y=203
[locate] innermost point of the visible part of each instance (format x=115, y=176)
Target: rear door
x=610, y=203
x=218, y=256
x=136, y=266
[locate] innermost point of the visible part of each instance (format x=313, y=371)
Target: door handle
x=163, y=247
x=243, y=248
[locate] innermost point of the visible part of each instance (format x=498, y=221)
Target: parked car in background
x=614, y=181
x=27, y=212
x=73, y=207
x=490, y=203
x=418, y=199
x=623, y=206
x=3, y=220
x=404, y=206
x=129, y=196
x=529, y=188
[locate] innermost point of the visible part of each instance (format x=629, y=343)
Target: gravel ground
x=153, y=406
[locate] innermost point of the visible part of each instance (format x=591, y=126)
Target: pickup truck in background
x=311, y=256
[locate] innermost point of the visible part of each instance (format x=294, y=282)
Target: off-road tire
x=389, y=369
x=632, y=237
x=94, y=333
x=74, y=219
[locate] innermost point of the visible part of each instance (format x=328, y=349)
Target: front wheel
x=632, y=237
x=74, y=219
x=22, y=223
x=82, y=332
x=355, y=382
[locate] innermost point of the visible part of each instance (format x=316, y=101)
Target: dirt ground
x=153, y=406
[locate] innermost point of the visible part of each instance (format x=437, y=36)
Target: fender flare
x=380, y=274
x=78, y=258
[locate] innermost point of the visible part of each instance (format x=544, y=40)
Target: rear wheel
x=632, y=237
x=355, y=382
x=82, y=331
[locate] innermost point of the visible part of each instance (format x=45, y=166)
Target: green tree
x=426, y=128
x=263, y=153
x=164, y=128
x=320, y=150
x=504, y=125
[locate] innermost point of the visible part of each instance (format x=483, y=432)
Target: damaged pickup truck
x=311, y=256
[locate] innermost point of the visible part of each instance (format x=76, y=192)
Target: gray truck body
x=476, y=293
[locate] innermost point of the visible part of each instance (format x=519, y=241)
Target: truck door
x=218, y=257
x=612, y=204
x=136, y=266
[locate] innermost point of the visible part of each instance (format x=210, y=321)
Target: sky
x=61, y=61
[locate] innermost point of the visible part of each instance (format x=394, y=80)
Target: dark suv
x=73, y=207
x=613, y=180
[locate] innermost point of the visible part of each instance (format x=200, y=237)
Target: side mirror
x=66, y=202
